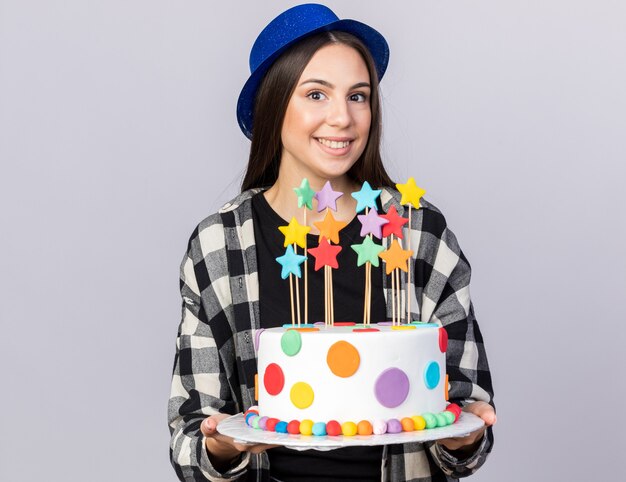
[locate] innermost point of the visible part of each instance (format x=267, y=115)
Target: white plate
x=236, y=428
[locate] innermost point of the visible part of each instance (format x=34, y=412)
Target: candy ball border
x=407, y=424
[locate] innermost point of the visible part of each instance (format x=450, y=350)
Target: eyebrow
x=331, y=86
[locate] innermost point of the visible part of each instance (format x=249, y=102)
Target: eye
x=358, y=97
x=315, y=95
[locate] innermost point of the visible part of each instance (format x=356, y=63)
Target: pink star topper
x=371, y=223
x=327, y=198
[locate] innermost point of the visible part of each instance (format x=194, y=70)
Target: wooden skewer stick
x=306, y=277
x=330, y=300
x=369, y=293
x=393, y=290
x=366, y=305
x=295, y=249
x=392, y=299
x=327, y=316
x=293, y=317
x=326, y=292
x=332, y=296
x=398, y=294
x=365, y=297
x=325, y=299
x=408, y=276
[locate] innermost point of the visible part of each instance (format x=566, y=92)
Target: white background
x=118, y=134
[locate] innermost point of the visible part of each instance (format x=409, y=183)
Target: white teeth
x=334, y=144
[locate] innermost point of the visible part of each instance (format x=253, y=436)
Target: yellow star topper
x=330, y=227
x=396, y=257
x=295, y=233
x=411, y=193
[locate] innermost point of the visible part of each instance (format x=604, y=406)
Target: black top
x=353, y=463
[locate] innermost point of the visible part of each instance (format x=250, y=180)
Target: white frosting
x=352, y=398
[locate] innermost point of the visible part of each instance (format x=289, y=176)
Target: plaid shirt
x=215, y=360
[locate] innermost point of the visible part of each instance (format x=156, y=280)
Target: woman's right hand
x=223, y=450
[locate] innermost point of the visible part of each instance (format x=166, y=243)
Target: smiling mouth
x=333, y=144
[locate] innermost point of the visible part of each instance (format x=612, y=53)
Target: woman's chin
x=333, y=169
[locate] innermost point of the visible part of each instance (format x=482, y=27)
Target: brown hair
x=271, y=104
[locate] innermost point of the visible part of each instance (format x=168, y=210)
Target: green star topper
x=305, y=194
x=368, y=250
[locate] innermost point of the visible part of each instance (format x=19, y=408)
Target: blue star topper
x=290, y=262
x=366, y=197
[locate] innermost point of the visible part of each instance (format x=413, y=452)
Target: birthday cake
x=346, y=379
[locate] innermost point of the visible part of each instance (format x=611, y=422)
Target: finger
x=454, y=443
x=258, y=448
x=208, y=427
x=217, y=438
x=252, y=447
x=484, y=411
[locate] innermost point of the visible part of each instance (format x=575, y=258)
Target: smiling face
x=328, y=116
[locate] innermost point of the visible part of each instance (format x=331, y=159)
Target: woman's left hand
x=471, y=441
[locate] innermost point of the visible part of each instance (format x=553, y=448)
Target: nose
x=339, y=114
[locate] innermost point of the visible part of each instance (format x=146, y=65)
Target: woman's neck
x=283, y=199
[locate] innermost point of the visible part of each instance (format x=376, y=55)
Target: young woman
x=311, y=108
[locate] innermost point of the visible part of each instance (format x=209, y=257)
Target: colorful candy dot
x=349, y=429
x=271, y=424
x=252, y=409
x=443, y=340
x=455, y=409
x=391, y=387
x=319, y=429
x=281, y=427
x=249, y=418
x=343, y=359
x=402, y=327
x=365, y=330
x=263, y=423
x=432, y=375
x=442, y=421
x=450, y=417
x=293, y=427
x=407, y=424
x=291, y=342
x=333, y=428
x=430, y=419
x=364, y=427
x=456, y=415
x=273, y=379
x=257, y=338
x=379, y=427
x=306, y=427
x=301, y=395
x=419, y=422
x=394, y=426
x=344, y=323
x=255, y=422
